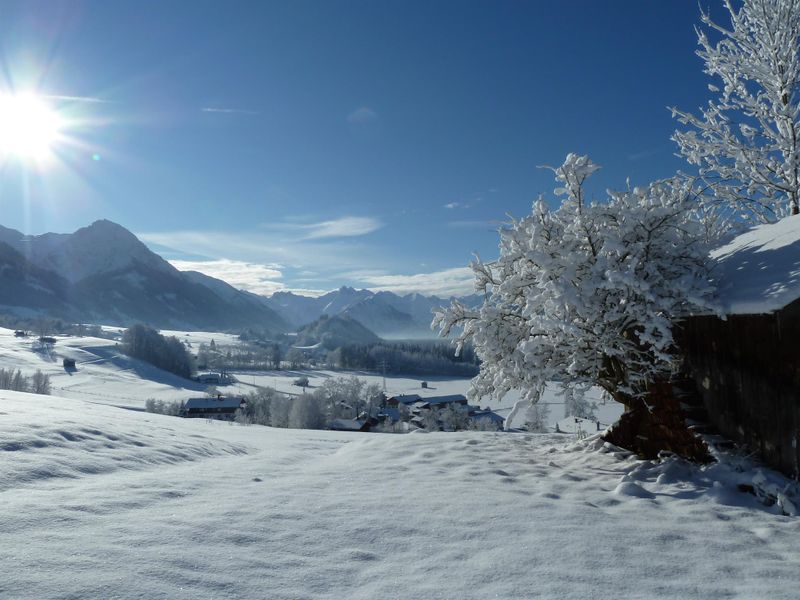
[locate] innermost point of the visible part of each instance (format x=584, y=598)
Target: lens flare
x=29, y=128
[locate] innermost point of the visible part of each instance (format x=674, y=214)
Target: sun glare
x=28, y=127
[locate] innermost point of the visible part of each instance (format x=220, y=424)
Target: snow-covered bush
x=586, y=294
x=161, y=407
x=745, y=142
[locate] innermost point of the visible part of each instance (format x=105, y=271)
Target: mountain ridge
x=104, y=273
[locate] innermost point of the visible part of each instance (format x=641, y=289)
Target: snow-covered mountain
x=27, y=287
x=102, y=247
x=334, y=331
x=103, y=273
x=301, y=310
x=387, y=314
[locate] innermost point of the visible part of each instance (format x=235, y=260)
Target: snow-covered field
x=102, y=375
x=100, y=502
x=105, y=376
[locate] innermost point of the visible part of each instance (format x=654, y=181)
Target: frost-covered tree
x=586, y=294
x=576, y=405
x=40, y=383
x=453, y=419
x=746, y=142
x=536, y=416
x=430, y=420
x=306, y=413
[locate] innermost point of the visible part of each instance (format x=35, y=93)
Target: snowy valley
x=101, y=499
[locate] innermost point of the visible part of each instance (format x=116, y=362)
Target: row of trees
x=336, y=398
x=168, y=353
x=419, y=357
x=38, y=383
x=413, y=358
x=588, y=294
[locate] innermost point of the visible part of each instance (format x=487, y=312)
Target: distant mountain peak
x=103, y=272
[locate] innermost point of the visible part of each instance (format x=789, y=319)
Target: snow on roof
x=407, y=398
x=222, y=402
x=445, y=399
x=759, y=271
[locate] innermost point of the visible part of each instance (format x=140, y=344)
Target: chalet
x=222, y=407
x=744, y=361
x=20, y=333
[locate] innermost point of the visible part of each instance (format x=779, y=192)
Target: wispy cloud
x=281, y=244
x=278, y=259
x=465, y=204
x=254, y=277
x=362, y=116
x=229, y=111
x=448, y=282
x=643, y=154
x=342, y=227
x=88, y=99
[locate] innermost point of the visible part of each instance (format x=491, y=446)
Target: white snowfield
x=102, y=502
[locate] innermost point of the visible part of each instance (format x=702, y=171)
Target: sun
x=29, y=128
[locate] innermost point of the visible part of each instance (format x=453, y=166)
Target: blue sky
x=307, y=145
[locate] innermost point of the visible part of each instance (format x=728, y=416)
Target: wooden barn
x=746, y=362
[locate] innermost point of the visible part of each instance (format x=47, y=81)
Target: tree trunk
x=655, y=424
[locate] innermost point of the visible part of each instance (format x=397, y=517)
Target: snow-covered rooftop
x=759, y=271
x=449, y=399
x=220, y=402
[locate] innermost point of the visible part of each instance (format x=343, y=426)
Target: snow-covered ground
x=100, y=502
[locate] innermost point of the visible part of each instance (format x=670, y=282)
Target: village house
x=220, y=407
